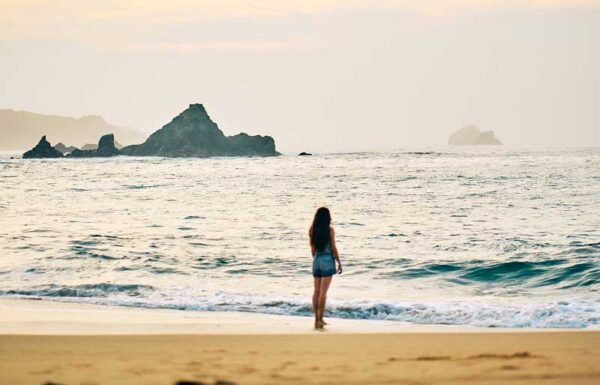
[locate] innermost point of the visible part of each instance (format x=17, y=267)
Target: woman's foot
x=323, y=321
x=319, y=324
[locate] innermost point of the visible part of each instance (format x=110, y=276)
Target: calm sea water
x=496, y=237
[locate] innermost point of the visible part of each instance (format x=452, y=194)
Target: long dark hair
x=320, y=229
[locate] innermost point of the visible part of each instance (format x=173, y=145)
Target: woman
x=323, y=250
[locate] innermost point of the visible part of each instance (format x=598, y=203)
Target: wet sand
x=347, y=353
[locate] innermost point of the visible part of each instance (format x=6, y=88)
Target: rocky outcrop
x=472, y=135
x=64, y=149
x=303, y=153
x=43, y=150
x=251, y=145
x=192, y=133
x=106, y=147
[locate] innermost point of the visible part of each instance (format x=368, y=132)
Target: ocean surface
x=481, y=236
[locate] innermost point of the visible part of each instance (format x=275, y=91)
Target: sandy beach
x=45, y=342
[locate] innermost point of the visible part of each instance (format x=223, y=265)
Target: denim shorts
x=323, y=265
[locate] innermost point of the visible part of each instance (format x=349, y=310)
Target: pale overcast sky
x=336, y=75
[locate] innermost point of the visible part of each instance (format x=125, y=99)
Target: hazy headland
x=19, y=130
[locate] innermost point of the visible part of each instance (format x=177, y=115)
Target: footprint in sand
x=433, y=358
x=502, y=356
x=421, y=358
x=489, y=356
x=83, y=366
x=286, y=364
x=217, y=382
x=247, y=370
x=46, y=371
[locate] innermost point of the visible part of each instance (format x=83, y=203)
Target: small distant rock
x=472, y=135
x=106, y=147
x=43, y=150
x=304, y=154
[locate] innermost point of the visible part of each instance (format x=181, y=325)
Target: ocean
x=478, y=236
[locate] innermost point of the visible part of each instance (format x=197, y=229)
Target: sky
x=334, y=75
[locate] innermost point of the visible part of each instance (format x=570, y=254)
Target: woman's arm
x=334, y=250
x=312, y=247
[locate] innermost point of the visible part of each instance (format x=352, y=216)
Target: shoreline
x=20, y=316
x=48, y=342
x=34, y=316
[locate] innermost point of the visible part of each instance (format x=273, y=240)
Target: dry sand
x=345, y=354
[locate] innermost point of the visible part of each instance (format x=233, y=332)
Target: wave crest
x=100, y=290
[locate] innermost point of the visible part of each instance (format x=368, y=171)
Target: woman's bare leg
x=315, y=299
x=325, y=282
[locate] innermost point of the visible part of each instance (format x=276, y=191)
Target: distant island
x=192, y=133
x=19, y=129
x=472, y=135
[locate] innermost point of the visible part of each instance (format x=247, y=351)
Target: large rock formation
x=43, y=150
x=193, y=134
x=106, y=147
x=471, y=135
x=64, y=149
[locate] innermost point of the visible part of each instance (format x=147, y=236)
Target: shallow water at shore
x=497, y=236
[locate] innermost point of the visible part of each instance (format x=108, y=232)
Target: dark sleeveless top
x=326, y=250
